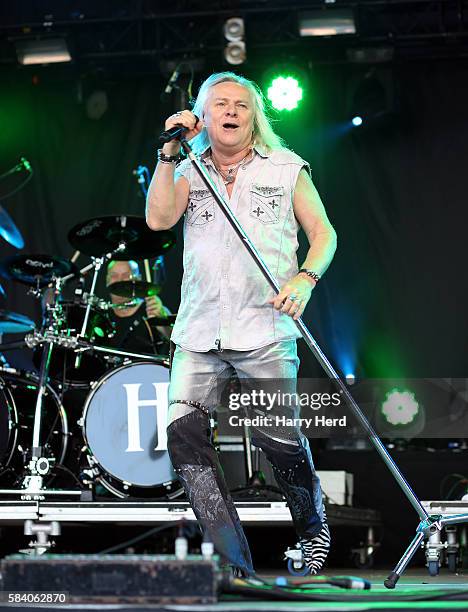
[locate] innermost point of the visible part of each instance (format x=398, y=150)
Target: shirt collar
x=205, y=155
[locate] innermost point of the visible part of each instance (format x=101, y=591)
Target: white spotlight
x=234, y=29
x=235, y=50
x=329, y=22
x=234, y=53
x=42, y=51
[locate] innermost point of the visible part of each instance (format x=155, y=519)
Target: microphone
x=176, y=132
x=172, y=81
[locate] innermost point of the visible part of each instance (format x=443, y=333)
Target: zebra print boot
x=315, y=550
x=310, y=553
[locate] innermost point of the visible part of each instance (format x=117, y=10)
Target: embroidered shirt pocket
x=266, y=202
x=200, y=209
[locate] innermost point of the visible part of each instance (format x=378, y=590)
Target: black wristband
x=310, y=273
x=168, y=159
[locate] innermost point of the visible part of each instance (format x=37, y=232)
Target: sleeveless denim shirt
x=224, y=295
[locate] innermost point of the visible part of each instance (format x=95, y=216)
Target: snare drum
x=18, y=394
x=124, y=427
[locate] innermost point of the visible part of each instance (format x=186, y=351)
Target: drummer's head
x=122, y=271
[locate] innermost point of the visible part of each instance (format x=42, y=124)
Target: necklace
x=229, y=176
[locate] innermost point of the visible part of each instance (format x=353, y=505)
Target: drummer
x=134, y=330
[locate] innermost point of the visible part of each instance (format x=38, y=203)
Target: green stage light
x=400, y=407
x=284, y=93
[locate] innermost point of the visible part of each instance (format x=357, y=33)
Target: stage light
x=284, y=93
x=329, y=22
x=371, y=97
x=234, y=29
x=350, y=378
x=96, y=104
x=235, y=51
x=42, y=51
x=400, y=407
x=356, y=121
x=370, y=55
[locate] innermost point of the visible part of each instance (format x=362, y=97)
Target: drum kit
x=92, y=420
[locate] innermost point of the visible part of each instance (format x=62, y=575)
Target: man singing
x=229, y=318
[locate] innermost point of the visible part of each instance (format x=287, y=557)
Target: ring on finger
x=293, y=297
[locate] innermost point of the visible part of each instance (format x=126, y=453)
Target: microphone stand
x=428, y=524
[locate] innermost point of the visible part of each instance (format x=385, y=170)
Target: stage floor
x=432, y=593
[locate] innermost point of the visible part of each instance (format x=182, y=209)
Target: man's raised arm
x=167, y=198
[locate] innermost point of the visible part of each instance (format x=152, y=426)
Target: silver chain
x=230, y=176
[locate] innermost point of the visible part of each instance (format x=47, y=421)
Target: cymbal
x=134, y=289
x=101, y=235
x=34, y=269
x=14, y=323
x=162, y=321
x=9, y=231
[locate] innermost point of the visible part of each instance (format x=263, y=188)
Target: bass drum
x=124, y=427
x=18, y=394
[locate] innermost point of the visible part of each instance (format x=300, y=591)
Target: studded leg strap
x=197, y=405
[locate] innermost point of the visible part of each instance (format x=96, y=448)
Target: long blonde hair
x=263, y=134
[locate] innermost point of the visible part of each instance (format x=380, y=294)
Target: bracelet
x=167, y=159
x=310, y=273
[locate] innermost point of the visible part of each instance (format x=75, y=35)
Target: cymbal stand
x=429, y=525
x=40, y=465
x=97, y=264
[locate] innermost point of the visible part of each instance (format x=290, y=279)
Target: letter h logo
x=134, y=403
